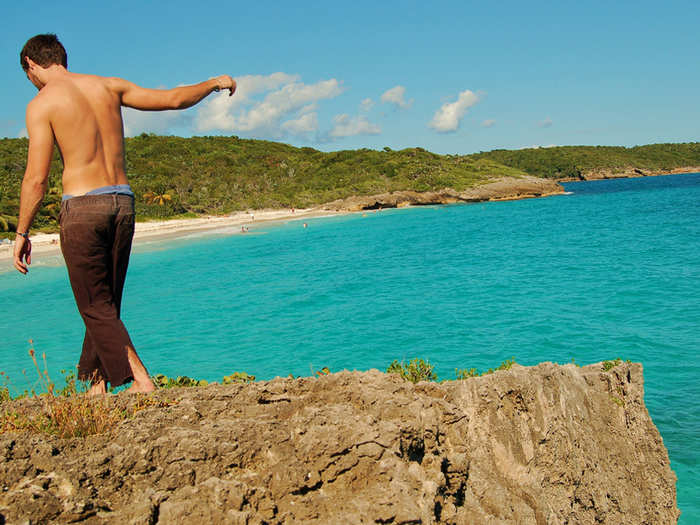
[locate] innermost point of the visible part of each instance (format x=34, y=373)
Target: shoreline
x=47, y=244
x=499, y=189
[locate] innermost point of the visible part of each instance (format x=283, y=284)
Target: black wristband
x=25, y=235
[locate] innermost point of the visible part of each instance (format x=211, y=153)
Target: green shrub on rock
x=416, y=370
x=505, y=365
x=163, y=381
x=466, y=373
x=238, y=377
x=609, y=365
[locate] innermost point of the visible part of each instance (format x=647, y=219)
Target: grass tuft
x=416, y=370
x=64, y=412
x=609, y=365
x=238, y=377
x=466, y=373
x=163, y=381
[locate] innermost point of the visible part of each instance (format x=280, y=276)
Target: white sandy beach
x=48, y=243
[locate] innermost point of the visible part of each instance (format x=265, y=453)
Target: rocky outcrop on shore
x=504, y=188
x=630, y=172
x=543, y=445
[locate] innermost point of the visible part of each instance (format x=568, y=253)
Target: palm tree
x=156, y=198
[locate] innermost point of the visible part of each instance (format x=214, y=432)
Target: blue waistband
x=117, y=189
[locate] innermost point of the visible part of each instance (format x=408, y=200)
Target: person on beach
x=81, y=114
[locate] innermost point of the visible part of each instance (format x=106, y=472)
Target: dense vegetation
x=173, y=176
x=571, y=162
x=13, y=159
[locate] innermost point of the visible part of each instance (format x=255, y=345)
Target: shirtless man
x=81, y=114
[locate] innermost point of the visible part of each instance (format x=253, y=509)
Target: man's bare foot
x=142, y=381
x=139, y=387
x=97, y=388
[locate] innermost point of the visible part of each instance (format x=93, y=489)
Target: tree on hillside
x=156, y=198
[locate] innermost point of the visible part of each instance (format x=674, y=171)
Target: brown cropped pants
x=96, y=235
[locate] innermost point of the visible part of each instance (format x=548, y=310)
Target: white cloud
x=309, y=108
x=546, y=123
x=286, y=97
x=366, y=104
x=159, y=122
x=539, y=146
x=448, y=117
x=304, y=124
x=216, y=112
x=488, y=123
x=395, y=96
x=22, y=134
x=346, y=126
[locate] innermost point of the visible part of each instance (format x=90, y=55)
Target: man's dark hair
x=45, y=50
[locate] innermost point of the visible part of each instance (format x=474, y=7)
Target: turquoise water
x=613, y=269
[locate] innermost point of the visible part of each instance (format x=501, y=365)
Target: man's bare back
x=85, y=116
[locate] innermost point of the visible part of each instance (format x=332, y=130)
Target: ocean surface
x=611, y=269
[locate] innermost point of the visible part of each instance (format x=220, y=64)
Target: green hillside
x=564, y=162
x=172, y=176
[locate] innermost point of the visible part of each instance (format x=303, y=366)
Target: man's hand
x=226, y=82
x=23, y=254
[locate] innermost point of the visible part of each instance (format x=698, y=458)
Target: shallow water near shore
x=611, y=269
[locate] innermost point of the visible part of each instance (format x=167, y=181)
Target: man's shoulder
x=41, y=102
x=82, y=78
x=40, y=111
x=92, y=78
x=115, y=83
x=90, y=85
x=53, y=94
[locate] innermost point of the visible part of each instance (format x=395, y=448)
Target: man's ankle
x=141, y=386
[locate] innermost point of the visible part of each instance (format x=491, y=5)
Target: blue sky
x=452, y=77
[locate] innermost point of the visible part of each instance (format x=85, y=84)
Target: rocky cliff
x=503, y=188
x=543, y=445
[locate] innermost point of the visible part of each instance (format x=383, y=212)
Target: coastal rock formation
x=504, y=188
x=630, y=172
x=548, y=444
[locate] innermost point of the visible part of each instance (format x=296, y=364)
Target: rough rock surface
x=504, y=188
x=631, y=172
x=543, y=445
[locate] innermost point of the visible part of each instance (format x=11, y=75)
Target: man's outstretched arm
x=41, y=141
x=136, y=97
